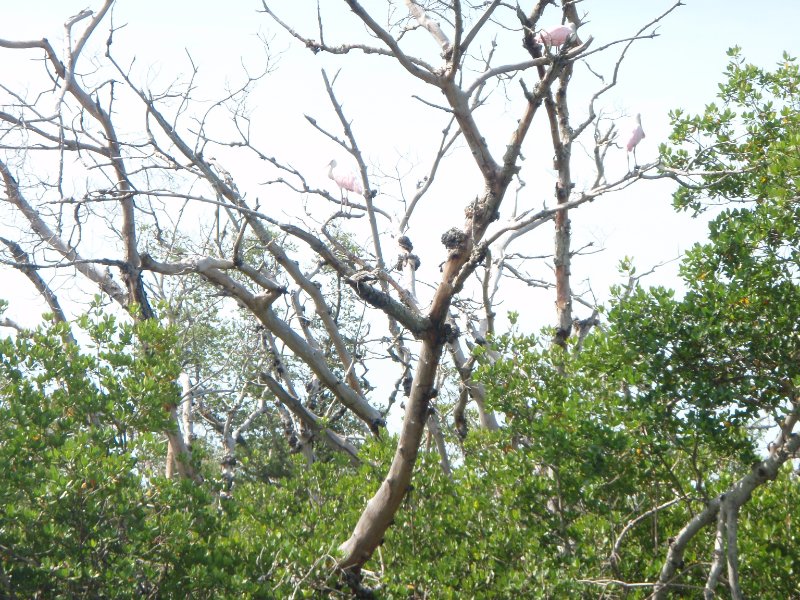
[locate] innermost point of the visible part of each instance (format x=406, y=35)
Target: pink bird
x=556, y=36
x=347, y=181
x=636, y=136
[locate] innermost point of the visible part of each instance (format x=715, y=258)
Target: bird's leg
x=635, y=161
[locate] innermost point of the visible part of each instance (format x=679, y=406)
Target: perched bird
x=636, y=136
x=555, y=36
x=346, y=180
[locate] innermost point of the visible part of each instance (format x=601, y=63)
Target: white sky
x=680, y=68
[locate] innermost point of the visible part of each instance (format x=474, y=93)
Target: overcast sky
x=680, y=68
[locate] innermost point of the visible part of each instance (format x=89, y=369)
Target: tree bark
x=381, y=508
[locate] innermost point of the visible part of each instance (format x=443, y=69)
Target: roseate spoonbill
x=346, y=180
x=555, y=36
x=636, y=136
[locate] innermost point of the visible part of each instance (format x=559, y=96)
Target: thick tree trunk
x=562, y=271
x=179, y=456
x=381, y=508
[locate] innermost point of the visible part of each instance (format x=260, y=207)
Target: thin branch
x=444, y=146
x=484, y=18
x=321, y=46
x=638, y=36
x=407, y=62
x=40, y=284
x=501, y=70
x=331, y=438
x=103, y=280
x=614, y=557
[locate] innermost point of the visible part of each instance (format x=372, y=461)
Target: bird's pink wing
x=559, y=35
x=350, y=183
x=636, y=136
x=555, y=36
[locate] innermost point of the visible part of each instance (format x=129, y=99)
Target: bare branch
x=418, y=13
x=24, y=266
x=484, y=18
x=103, y=280
x=334, y=440
x=408, y=63
x=613, y=558
x=445, y=145
x=638, y=36
x=321, y=46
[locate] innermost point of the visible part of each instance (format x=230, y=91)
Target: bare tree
x=295, y=278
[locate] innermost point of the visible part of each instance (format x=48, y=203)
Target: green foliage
x=769, y=545
x=82, y=513
x=530, y=511
x=748, y=146
x=735, y=339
